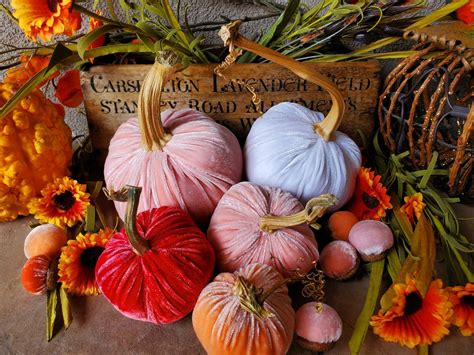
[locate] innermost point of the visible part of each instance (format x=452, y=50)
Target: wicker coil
x=426, y=106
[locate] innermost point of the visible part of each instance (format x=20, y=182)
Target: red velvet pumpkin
x=155, y=270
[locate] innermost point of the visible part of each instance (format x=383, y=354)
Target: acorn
x=318, y=326
x=372, y=239
x=339, y=260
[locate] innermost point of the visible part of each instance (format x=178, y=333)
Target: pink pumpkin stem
x=140, y=245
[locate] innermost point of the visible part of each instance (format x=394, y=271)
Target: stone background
x=201, y=11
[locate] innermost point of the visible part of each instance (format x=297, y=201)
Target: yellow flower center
x=64, y=200
x=369, y=201
x=90, y=255
x=413, y=303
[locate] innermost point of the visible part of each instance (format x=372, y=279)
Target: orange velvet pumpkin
x=246, y=312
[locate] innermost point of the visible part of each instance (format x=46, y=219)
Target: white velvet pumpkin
x=283, y=150
x=238, y=239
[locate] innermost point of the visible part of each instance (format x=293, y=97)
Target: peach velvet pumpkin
x=239, y=238
x=231, y=318
x=183, y=159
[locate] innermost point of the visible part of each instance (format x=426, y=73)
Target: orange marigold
x=370, y=199
x=412, y=319
x=68, y=90
x=28, y=67
x=94, y=24
x=466, y=13
x=44, y=18
x=413, y=206
x=463, y=302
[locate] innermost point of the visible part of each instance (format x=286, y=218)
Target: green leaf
x=362, y=323
x=66, y=309
x=60, y=53
x=393, y=264
x=90, y=219
x=51, y=304
x=423, y=349
x=173, y=21
x=89, y=38
x=429, y=171
x=275, y=30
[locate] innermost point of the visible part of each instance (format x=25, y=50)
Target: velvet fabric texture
x=238, y=240
x=163, y=284
x=202, y=160
x=282, y=150
x=224, y=327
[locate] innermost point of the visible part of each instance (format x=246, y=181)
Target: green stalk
x=139, y=244
x=362, y=323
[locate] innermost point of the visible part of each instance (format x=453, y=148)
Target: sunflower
x=463, y=302
x=45, y=18
x=413, y=320
x=78, y=259
x=370, y=199
x=63, y=202
x=413, y=206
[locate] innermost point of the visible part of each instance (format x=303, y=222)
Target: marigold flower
x=63, y=202
x=68, y=90
x=28, y=68
x=76, y=267
x=94, y=24
x=463, y=311
x=370, y=199
x=413, y=206
x=466, y=13
x=413, y=320
x=45, y=18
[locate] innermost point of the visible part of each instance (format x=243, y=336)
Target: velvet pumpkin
x=36, y=275
x=182, y=159
x=230, y=316
x=294, y=148
x=240, y=237
x=155, y=269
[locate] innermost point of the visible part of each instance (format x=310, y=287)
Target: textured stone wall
x=200, y=11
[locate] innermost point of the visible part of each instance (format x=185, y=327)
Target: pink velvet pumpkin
x=184, y=159
x=238, y=239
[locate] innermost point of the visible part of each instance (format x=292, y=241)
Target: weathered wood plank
x=111, y=94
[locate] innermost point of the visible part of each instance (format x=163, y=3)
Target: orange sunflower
x=78, y=259
x=413, y=206
x=413, y=320
x=45, y=18
x=63, y=202
x=370, y=199
x=463, y=301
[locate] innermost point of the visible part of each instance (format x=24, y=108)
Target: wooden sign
x=111, y=94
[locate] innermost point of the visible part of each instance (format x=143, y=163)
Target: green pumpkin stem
x=139, y=244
